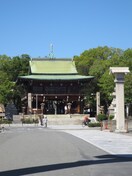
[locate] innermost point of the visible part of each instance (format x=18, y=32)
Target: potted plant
x=111, y=117
x=102, y=118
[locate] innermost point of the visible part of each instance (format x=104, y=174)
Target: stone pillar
x=29, y=102
x=97, y=103
x=119, y=73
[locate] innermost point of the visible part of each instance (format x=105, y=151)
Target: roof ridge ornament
x=51, y=54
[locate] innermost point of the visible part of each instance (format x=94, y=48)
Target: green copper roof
x=56, y=77
x=53, y=66
x=54, y=70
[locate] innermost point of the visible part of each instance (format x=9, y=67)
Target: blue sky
x=72, y=26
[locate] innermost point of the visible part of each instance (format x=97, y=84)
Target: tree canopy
x=10, y=69
x=96, y=62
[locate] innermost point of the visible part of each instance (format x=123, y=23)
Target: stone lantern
x=119, y=73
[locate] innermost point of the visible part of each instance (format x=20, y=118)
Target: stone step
x=65, y=119
x=17, y=119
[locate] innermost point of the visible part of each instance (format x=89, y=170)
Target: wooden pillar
x=36, y=101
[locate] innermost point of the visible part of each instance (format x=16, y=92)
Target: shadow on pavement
x=104, y=159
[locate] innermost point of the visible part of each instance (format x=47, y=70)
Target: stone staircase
x=65, y=119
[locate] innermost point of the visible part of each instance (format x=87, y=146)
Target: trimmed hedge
x=94, y=124
x=101, y=117
x=5, y=121
x=29, y=120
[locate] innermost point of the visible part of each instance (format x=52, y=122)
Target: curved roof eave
x=55, y=77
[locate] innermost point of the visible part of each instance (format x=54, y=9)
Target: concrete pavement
x=111, y=142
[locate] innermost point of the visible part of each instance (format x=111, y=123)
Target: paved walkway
x=111, y=142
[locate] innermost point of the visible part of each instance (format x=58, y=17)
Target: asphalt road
x=38, y=151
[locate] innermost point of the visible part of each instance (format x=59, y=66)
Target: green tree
x=128, y=88
x=96, y=62
x=106, y=85
x=6, y=87
x=4, y=57
x=127, y=58
x=10, y=69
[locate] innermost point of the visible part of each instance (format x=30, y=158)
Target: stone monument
x=119, y=73
x=112, y=107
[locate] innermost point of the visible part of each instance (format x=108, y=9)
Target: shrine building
x=54, y=87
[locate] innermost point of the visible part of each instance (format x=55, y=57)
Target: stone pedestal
x=112, y=107
x=119, y=73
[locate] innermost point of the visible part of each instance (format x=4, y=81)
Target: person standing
x=45, y=120
x=65, y=109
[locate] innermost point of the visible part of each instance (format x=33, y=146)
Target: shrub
x=29, y=120
x=101, y=117
x=36, y=120
x=111, y=117
x=94, y=124
x=5, y=121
